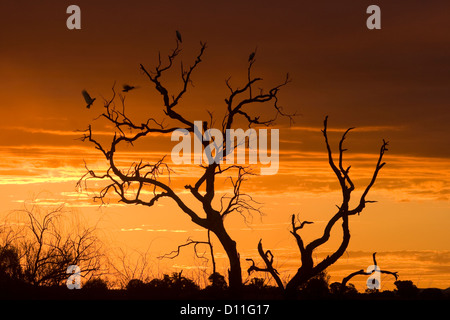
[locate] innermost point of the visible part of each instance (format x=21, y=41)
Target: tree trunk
x=229, y=245
x=302, y=276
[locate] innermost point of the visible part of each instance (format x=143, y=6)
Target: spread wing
x=86, y=96
x=179, y=36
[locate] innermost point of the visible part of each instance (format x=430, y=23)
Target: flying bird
x=87, y=98
x=127, y=88
x=179, y=36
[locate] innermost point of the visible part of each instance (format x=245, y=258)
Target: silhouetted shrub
x=337, y=289
x=406, y=289
x=135, y=284
x=258, y=289
x=217, y=281
x=96, y=284
x=178, y=282
x=218, y=286
x=175, y=284
x=256, y=283
x=10, y=269
x=12, y=284
x=316, y=287
x=431, y=294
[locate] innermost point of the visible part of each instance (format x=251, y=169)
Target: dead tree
x=128, y=183
x=268, y=260
x=308, y=269
x=367, y=273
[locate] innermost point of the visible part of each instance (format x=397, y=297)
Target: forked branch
x=175, y=253
x=309, y=268
x=362, y=272
x=267, y=257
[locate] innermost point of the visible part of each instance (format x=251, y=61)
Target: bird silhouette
x=127, y=88
x=179, y=36
x=251, y=57
x=87, y=98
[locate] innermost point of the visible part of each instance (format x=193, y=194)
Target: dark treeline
x=179, y=287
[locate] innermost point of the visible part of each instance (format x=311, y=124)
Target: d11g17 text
x=246, y=309
x=237, y=309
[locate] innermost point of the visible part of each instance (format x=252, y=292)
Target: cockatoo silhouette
x=251, y=57
x=179, y=36
x=87, y=98
x=127, y=87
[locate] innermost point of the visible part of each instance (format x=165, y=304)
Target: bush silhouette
x=432, y=294
x=338, y=289
x=169, y=286
x=217, y=281
x=180, y=283
x=10, y=269
x=96, y=284
x=316, y=287
x=406, y=289
x=257, y=283
x=135, y=284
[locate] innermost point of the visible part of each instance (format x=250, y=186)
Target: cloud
x=342, y=130
x=45, y=131
x=153, y=230
x=404, y=177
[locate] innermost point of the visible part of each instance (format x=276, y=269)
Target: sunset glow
x=389, y=84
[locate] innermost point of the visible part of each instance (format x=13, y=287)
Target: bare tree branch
x=129, y=184
x=308, y=268
x=362, y=272
x=46, y=249
x=268, y=260
x=175, y=253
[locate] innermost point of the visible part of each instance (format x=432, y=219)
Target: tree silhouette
x=308, y=269
x=47, y=243
x=362, y=272
x=10, y=268
x=129, y=183
x=129, y=265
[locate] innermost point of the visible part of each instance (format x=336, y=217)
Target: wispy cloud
x=404, y=176
x=361, y=129
x=153, y=230
x=44, y=131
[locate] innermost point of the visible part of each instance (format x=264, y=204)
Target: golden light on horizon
x=389, y=84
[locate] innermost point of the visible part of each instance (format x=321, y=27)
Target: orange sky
x=390, y=83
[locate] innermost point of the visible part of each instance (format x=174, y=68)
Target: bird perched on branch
x=127, y=88
x=89, y=100
x=251, y=57
x=179, y=36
